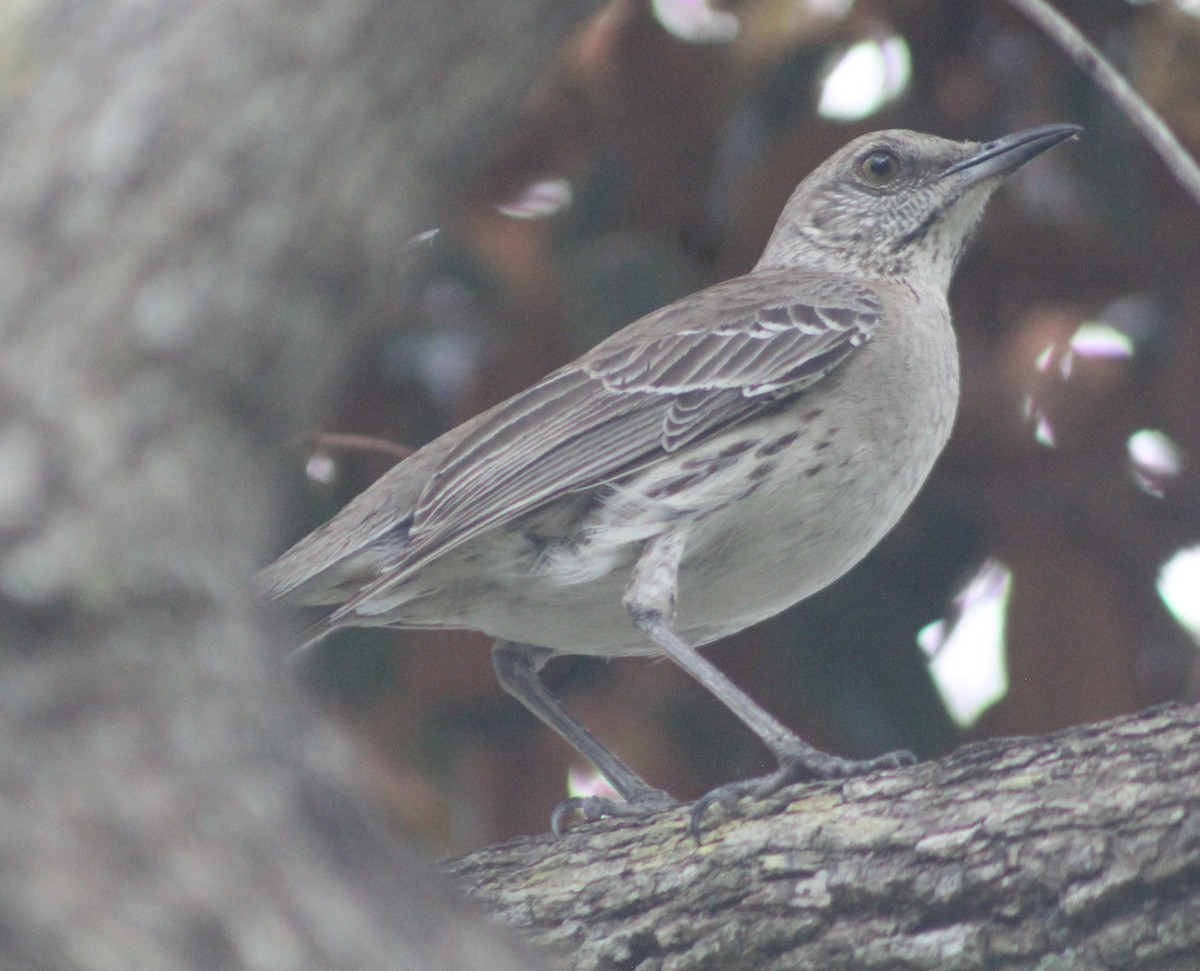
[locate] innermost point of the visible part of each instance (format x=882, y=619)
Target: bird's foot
x=803, y=765
x=589, y=809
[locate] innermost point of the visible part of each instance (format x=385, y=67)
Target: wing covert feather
x=704, y=362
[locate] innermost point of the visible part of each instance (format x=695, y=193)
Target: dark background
x=679, y=156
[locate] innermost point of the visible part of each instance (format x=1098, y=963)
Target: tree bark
x=204, y=209
x=1079, y=850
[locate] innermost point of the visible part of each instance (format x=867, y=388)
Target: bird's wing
x=706, y=361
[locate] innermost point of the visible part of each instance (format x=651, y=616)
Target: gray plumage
x=700, y=470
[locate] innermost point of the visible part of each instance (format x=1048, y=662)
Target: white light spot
x=1042, y=362
x=1153, y=459
x=1179, y=587
x=931, y=637
x=696, y=22
x=422, y=239
x=1043, y=431
x=1097, y=339
x=1065, y=363
x=865, y=78
x=322, y=468
x=834, y=9
x=585, y=781
x=966, y=651
x=539, y=200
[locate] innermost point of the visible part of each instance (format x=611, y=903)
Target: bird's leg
x=517, y=667
x=650, y=600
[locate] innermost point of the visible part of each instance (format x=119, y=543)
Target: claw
x=807, y=766
x=586, y=808
x=725, y=796
x=589, y=809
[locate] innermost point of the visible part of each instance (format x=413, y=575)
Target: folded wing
x=705, y=362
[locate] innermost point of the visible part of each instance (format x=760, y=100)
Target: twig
x=366, y=443
x=1100, y=70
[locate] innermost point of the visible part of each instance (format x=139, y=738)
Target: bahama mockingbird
x=699, y=471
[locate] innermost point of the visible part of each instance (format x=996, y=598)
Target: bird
x=704, y=468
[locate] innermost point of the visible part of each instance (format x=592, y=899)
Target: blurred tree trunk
x=205, y=208
x=1079, y=850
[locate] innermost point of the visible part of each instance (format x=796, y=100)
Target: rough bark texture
x=204, y=207
x=1079, y=850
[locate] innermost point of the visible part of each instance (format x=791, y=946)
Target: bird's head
x=898, y=204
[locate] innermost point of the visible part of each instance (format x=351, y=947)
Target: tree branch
x=1076, y=850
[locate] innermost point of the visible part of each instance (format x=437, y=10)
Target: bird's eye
x=880, y=167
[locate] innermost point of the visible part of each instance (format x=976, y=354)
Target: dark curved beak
x=1005, y=155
